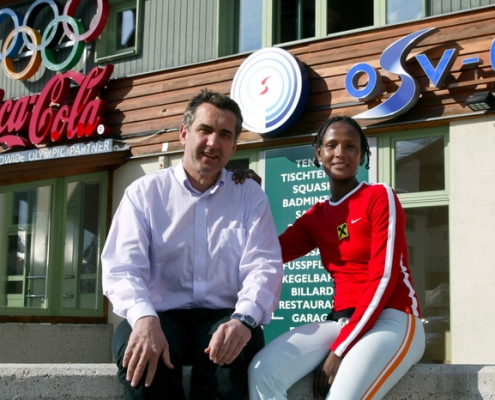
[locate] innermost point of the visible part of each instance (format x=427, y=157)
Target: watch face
x=246, y=320
x=249, y=320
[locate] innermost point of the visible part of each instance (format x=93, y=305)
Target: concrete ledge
x=429, y=381
x=98, y=381
x=55, y=343
x=59, y=381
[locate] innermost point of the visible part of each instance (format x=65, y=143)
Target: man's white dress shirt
x=172, y=247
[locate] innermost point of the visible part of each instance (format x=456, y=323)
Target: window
x=240, y=163
x=244, y=159
x=250, y=24
x=246, y=25
x=126, y=29
x=120, y=37
x=241, y=26
x=419, y=165
x=25, y=234
x=348, y=15
x=294, y=20
x=429, y=262
x=448, y=6
x=396, y=12
x=51, y=234
x=415, y=164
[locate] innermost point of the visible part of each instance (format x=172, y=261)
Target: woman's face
x=340, y=153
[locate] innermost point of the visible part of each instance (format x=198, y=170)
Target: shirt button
x=200, y=250
x=199, y=278
x=201, y=222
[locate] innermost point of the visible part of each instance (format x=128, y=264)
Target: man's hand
x=240, y=175
x=147, y=344
x=228, y=341
x=325, y=375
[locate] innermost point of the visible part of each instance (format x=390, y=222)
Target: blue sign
x=393, y=60
x=271, y=87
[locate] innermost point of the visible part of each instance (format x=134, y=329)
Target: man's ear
x=182, y=134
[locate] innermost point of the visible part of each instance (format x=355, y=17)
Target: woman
x=374, y=334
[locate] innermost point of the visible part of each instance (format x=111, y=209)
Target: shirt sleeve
x=125, y=262
x=387, y=240
x=261, y=269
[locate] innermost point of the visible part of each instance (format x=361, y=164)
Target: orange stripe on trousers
x=396, y=360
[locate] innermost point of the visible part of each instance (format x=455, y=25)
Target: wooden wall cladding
x=140, y=106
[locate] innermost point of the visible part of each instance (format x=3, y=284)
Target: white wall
x=472, y=241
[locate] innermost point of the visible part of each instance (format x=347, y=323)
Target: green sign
x=293, y=184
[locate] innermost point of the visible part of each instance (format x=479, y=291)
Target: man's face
x=208, y=144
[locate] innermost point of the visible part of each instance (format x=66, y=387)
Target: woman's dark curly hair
x=349, y=121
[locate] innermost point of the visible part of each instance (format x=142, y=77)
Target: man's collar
x=181, y=176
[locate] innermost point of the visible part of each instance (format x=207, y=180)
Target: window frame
x=418, y=200
x=252, y=155
x=55, y=251
x=386, y=170
x=102, y=178
x=49, y=284
x=106, y=45
x=228, y=22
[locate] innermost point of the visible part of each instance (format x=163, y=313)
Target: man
x=192, y=261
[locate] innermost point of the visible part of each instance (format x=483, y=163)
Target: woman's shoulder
x=371, y=193
x=379, y=196
x=377, y=187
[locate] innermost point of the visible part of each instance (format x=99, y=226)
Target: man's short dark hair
x=216, y=99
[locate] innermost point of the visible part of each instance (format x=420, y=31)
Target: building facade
x=93, y=95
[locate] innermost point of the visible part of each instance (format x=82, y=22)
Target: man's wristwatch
x=245, y=319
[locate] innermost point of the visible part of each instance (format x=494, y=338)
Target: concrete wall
x=55, y=343
x=98, y=381
x=472, y=240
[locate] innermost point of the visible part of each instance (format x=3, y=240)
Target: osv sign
x=393, y=59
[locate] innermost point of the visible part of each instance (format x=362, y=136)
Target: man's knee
x=119, y=341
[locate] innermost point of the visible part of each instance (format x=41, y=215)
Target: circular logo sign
x=271, y=87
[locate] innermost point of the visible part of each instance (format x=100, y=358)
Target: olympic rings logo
x=42, y=44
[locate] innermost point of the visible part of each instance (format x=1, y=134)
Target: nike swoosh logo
x=353, y=221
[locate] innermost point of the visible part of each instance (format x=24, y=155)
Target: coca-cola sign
x=49, y=117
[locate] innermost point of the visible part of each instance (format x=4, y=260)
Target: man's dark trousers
x=188, y=333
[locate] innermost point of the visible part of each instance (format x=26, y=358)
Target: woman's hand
x=325, y=375
x=240, y=175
